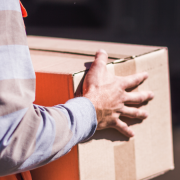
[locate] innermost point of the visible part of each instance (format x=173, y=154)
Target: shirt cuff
x=82, y=118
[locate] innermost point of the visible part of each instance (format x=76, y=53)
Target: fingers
x=135, y=113
x=98, y=67
x=123, y=128
x=133, y=80
x=101, y=57
x=138, y=97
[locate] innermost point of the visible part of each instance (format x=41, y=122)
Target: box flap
x=60, y=63
x=115, y=50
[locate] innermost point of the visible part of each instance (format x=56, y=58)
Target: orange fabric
x=20, y=176
x=26, y=175
x=12, y=177
x=24, y=12
x=65, y=168
x=47, y=86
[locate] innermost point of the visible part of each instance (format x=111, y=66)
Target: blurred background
x=150, y=22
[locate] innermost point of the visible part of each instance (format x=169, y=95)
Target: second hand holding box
x=60, y=66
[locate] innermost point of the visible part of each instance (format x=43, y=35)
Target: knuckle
x=141, y=99
x=99, y=64
x=121, y=107
x=114, y=123
x=124, y=126
x=124, y=97
x=123, y=82
x=137, y=80
x=123, y=85
x=126, y=129
x=102, y=61
x=136, y=114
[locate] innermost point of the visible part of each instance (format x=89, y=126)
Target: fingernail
x=133, y=134
x=103, y=51
x=146, y=114
x=152, y=95
x=146, y=74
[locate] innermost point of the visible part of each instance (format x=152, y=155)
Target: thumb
x=101, y=57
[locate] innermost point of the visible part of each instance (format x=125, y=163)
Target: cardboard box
x=60, y=65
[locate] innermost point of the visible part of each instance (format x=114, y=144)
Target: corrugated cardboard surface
x=153, y=141
x=150, y=152
x=124, y=158
x=157, y=137
x=116, y=50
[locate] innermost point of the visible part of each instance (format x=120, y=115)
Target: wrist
x=91, y=98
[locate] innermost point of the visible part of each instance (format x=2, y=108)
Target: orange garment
x=20, y=176
x=24, y=12
x=24, y=175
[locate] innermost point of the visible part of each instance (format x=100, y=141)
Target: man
x=32, y=135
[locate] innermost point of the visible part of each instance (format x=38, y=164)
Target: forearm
x=45, y=134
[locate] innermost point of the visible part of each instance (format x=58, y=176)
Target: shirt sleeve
x=32, y=135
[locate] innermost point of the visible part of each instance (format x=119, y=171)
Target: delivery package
x=60, y=66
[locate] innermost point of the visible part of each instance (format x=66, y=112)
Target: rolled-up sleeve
x=32, y=135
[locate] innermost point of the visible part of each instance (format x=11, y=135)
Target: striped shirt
x=32, y=135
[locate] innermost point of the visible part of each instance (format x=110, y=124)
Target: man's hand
x=108, y=94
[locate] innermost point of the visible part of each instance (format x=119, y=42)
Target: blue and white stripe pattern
x=32, y=135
